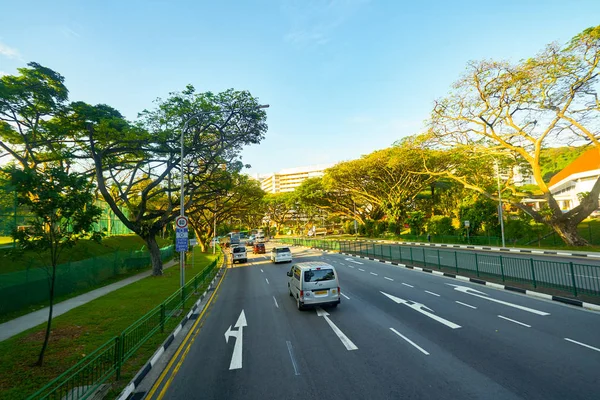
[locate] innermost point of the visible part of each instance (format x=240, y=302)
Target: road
x=398, y=334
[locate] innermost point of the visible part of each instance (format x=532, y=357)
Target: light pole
x=500, y=213
x=215, y=234
x=181, y=204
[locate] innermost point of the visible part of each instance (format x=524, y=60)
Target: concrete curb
x=128, y=392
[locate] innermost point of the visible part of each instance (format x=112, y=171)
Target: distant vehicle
x=250, y=241
x=260, y=237
x=234, y=238
x=314, y=283
x=238, y=254
x=281, y=254
x=259, y=248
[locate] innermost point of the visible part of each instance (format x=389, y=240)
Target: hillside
x=555, y=159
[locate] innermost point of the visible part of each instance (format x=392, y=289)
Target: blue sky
x=343, y=77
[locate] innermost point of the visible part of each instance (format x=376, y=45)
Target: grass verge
x=83, y=329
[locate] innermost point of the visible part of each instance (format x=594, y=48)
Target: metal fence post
x=373, y=247
x=439, y=262
x=573, y=278
x=390, y=247
x=456, y=261
x=118, y=356
x=424, y=257
x=411, y=256
x=502, y=268
x=162, y=317
x=533, y=272
x=477, y=264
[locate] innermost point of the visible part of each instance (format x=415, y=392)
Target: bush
x=380, y=228
x=440, y=225
x=416, y=222
x=392, y=228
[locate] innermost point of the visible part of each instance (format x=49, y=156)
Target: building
x=289, y=179
x=576, y=178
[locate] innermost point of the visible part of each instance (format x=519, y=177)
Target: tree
x=279, y=207
x=61, y=205
x=139, y=166
x=511, y=112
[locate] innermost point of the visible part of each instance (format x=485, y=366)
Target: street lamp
x=500, y=210
x=181, y=205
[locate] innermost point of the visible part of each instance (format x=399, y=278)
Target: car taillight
x=339, y=290
x=301, y=293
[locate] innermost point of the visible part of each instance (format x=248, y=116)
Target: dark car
x=259, y=248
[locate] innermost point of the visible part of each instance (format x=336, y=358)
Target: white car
x=281, y=254
x=239, y=254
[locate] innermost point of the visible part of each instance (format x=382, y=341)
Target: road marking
x=410, y=341
x=373, y=273
x=406, y=284
x=261, y=270
x=482, y=295
x=345, y=296
x=351, y=260
x=512, y=320
x=267, y=281
x=350, y=266
x=275, y=300
x=342, y=264
x=360, y=269
x=344, y=339
x=582, y=344
x=389, y=279
x=465, y=304
x=423, y=309
x=236, y=357
x=291, y=351
x=435, y=294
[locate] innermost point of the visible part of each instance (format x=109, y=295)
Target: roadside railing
x=574, y=278
x=85, y=377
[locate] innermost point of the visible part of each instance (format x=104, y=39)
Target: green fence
x=573, y=278
x=81, y=380
x=23, y=288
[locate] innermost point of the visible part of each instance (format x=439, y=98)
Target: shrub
x=440, y=225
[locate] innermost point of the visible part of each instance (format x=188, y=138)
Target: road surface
x=398, y=334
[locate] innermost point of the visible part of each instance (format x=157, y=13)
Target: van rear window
x=282, y=250
x=315, y=275
x=239, y=250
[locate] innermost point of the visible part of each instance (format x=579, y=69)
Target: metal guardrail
x=84, y=378
x=572, y=277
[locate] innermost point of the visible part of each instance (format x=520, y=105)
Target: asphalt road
x=398, y=334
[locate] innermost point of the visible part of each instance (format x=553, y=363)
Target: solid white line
x=291, y=351
x=410, y=341
x=435, y=294
x=360, y=269
x=465, y=304
x=344, y=339
x=345, y=296
x=373, y=273
x=267, y=280
x=583, y=344
x=512, y=320
x=406, y=284
x=389, y=279
x=275, y=300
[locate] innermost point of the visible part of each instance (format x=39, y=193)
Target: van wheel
x=299, y=305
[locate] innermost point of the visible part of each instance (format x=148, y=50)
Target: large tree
x=279, y=208
x=139, y=166
x=509, y=112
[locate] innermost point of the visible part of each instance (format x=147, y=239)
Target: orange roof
x=588, y=161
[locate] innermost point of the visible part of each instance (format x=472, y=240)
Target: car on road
x=251, y=240
x=314, y=283
x=259, y=248
x=239, y=254
x=281, y=254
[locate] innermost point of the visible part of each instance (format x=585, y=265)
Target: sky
x=342, y=77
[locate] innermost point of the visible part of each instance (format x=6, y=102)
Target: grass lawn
x=82, y=330
x=84, y=249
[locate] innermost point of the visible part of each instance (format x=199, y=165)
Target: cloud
x=68, y=32
x=313, y=22
x=9, y=52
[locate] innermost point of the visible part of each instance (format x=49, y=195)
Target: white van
x=314, y=283
x=281, y=254
x=238, y=253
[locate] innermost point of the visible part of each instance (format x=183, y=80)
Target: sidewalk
x=20, y=324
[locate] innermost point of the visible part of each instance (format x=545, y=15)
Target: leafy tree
x=279, y=208
x=416, y=222
x=62, y=211
x=482, y=214
x=440, y=225
x=511, y=112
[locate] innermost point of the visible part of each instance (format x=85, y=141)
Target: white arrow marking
x=236, y=358
x=423, y=309
x=477, y=293
x=351, y=260
x=345, y=341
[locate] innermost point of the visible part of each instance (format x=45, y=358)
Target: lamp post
x=182, y=205
x=500, y=210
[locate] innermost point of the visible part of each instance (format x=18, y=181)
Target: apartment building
x=289, y=179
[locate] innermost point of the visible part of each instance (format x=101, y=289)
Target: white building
x=289, y=179
x=577, y=177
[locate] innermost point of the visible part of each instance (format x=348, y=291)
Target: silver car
x=314, y=283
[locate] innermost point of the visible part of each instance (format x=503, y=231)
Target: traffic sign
x=181, y=233
x=181, y=244
x=181, y=221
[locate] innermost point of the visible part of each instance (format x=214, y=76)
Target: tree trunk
x=203, y=245
x=569, y=234
x=157, y=265
x=40, y=360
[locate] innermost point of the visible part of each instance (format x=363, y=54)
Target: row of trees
x=499, y=118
